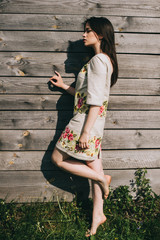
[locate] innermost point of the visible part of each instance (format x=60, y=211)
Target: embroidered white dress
x=92, y=88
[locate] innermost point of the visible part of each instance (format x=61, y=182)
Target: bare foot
x=105, y=185
x=95, y=224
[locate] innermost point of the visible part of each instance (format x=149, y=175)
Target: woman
x=81, y=139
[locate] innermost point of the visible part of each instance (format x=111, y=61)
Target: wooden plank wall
x=38, y=37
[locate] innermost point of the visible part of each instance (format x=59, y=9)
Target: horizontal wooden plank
x=58, y=41
x=137, y=87
x=45, y=139
x=58, y=120
x=28, y=102
x=65, y=102
x=74, y=22
x=112, y=159
x=34, y=85
x=44, y=64
x=118, y=7
x=27, y=186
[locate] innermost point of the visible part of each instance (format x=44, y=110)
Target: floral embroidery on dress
x=103, y=109
x=69, y=140
x=81, y=106
x=84, y=69
x=80, y=103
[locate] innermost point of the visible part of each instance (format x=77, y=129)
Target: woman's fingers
x=83, y=140
x=57, y=73
x=83, y=145
x=56, y=80
x=54, y=83
x=54, y=77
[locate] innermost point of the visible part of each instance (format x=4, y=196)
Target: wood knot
x=48, y=119
x=20, y=145
x=18, y=57
x=98, y=5
x=55, y=27
x=26, y=133
x=15, y=155
x=21, y=73
x=138, y=134
x=43, y=99
x=55, y=18
x=120, y=29
x=11, y=162
x=115, y=122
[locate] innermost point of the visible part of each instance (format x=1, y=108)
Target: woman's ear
x=100, y=37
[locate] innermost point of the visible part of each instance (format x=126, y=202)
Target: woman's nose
x=84, y=34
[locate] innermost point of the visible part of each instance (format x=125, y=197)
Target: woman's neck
x=97, y=49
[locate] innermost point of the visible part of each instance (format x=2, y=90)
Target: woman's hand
x=83, y=140
x=91, y=118
x=57, y=80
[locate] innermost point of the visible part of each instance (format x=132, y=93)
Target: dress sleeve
x=96, y=81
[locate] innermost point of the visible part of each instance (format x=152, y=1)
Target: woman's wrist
x=65, y=86
x=86, y=131
x=69, y=89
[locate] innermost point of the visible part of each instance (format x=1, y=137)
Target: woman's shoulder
x=101, y=59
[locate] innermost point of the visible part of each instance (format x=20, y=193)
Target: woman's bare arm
x=57, y=81
x=91, y=118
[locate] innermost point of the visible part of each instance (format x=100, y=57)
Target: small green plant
x=135, y=216
x=132, y=214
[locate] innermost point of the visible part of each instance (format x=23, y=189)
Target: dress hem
x=76, y=157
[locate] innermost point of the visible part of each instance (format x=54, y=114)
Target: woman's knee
x=96, y=165
x=58, y=157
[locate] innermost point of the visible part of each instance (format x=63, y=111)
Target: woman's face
x=90, y=38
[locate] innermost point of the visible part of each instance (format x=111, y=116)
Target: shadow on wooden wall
x=78, y=56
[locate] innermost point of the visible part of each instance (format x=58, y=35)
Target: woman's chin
x=86, y=45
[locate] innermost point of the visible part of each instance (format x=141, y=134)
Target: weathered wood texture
x=45, y=139
x=74, y=22
x=57, y=120
x=64, y=102
x=44, y=64
x=33, y=186
x=112, y=159
x=38, y=85
x=58, y=41
x=100, y=7
x=39, y=37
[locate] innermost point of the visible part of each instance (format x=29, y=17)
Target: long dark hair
x=102, y=26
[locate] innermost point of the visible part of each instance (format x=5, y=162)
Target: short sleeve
x=96, y=81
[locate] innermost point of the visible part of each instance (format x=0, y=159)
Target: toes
x=88, y=233
x=105, y=196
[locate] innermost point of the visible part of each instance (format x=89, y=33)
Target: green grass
x=128, y=217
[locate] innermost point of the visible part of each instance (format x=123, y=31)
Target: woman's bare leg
x=78, y=168
x=92, y=170
x=98, y=216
